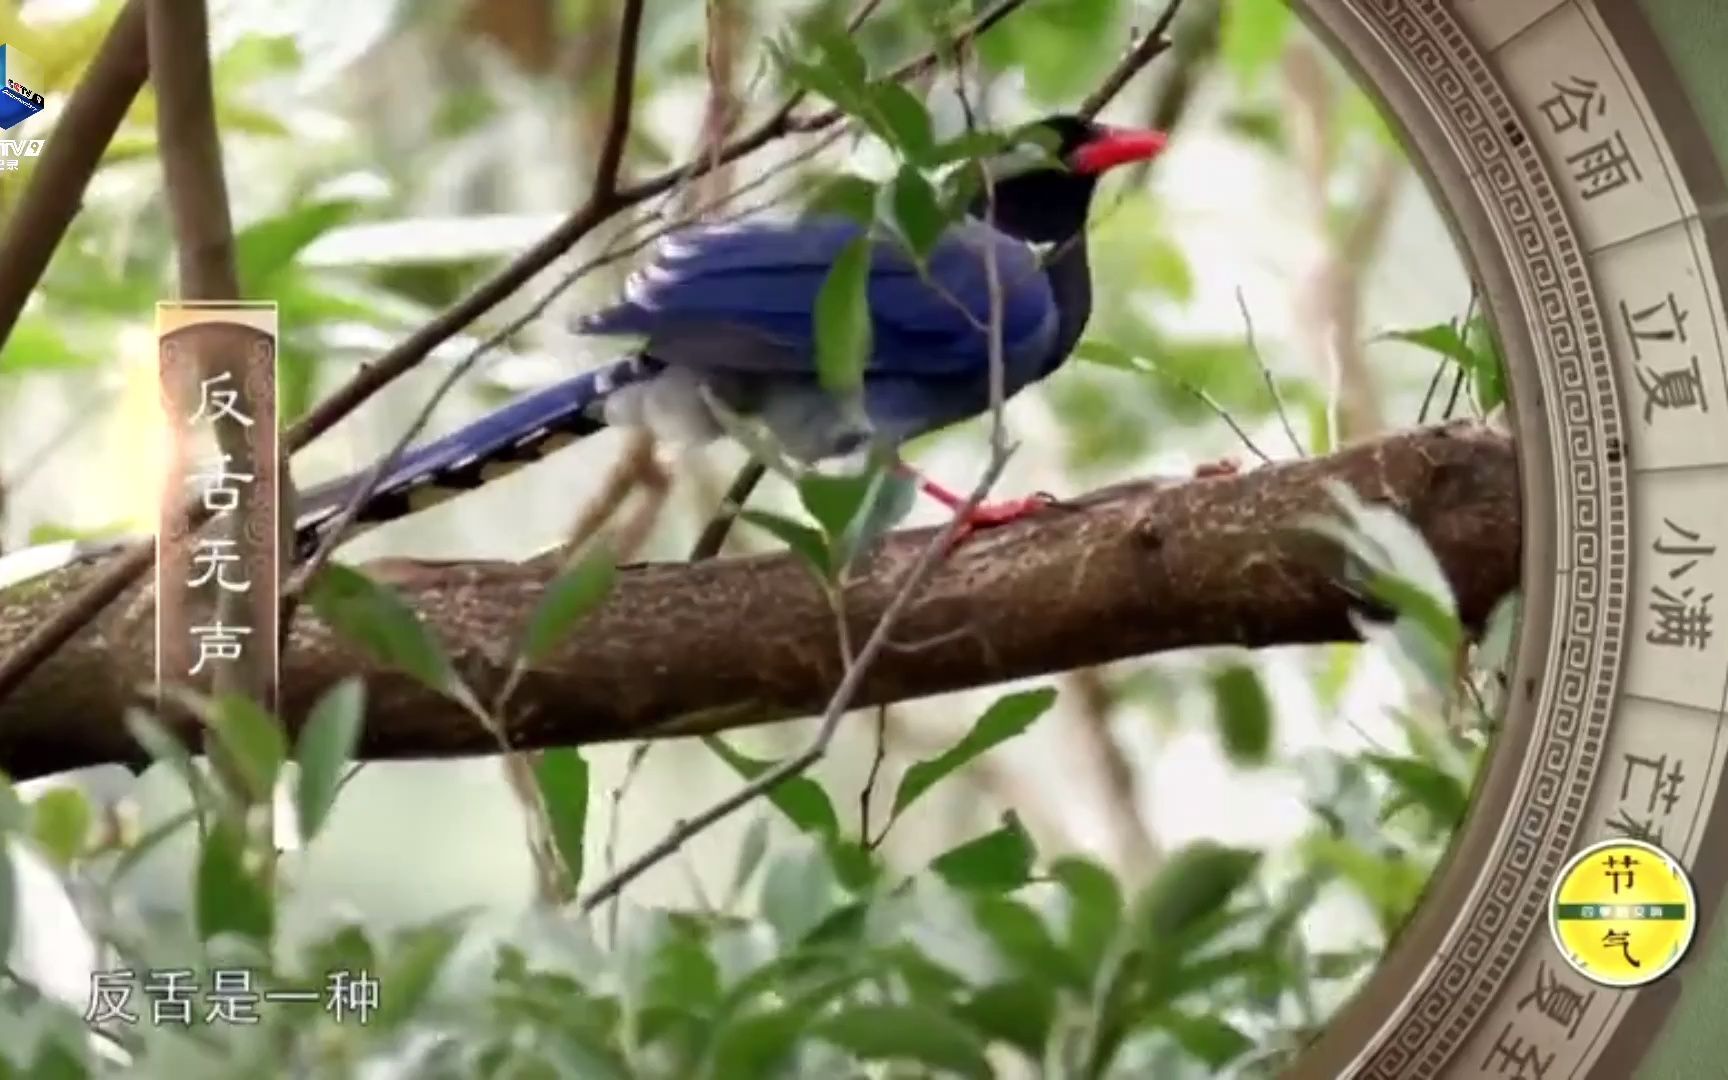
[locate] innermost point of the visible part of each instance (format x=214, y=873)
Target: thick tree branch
x=680, y=648
x=81, y=136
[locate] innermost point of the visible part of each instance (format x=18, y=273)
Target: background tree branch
x=81, y=137
x=1131, y=570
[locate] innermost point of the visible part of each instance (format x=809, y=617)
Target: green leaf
x=847, y=195
x=382, y=624
x=1019, y=1013
x=229, y=899
x=563, y=777
x=1391, y=885
x=838, y=51
x=1427, y=630
x=970, y=146
x=577, y=590
x=1094, y=907
x=1195, y=882
x=150, y=841
x=1443, y=796
x=800, y=798
x=759, y=1044
x=37, y=344
x=834, y=501
x=162, y=745
x=60, y=824
x=326, y=745
x=906, y=1033
x=750, y=852
x=1472, y=349
x=905, y=122
x=999, y=861
x=892, y=496
x=1441, y=338
x=1208, y=1038
x=816, y=79
x=805, y=542
x=855, y=865
x=1252, y=34
x=843, y=331
x=265, y=248
x=1489, y=375
x=1007, y=717
x=915, y=211
x=410, y=968
x=1022, y=938
x=1244, y=713
x=799, y=892
x=254, y=741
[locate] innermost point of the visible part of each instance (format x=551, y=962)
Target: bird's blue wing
x=742, y=298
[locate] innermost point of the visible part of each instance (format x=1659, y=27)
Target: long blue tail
x=518, y=434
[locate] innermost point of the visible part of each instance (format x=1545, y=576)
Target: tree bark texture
x=677, y=649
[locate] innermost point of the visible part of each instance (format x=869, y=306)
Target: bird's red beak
x=1116, y=146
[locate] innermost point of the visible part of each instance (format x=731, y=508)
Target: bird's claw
x=993, y=515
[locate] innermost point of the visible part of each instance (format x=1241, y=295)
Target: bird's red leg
x=982, y=516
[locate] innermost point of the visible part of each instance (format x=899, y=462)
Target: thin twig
x=1433, y=386
x=713, y=537
x=37, y=224
x=632, y=768
x=1147, y=49
x=869, y=789
x=1446, y=361
x=637, y=467
x=684, y=830
x=1266, y=374
x=1121, y=784
x=1210, y=402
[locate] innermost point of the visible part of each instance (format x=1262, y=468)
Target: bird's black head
x=1043, y=188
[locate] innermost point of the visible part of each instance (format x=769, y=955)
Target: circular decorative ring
x=1558, y=138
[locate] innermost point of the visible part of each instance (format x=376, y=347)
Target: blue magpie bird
x=727, y=317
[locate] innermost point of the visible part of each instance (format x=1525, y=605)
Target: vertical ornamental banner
x=218, y=547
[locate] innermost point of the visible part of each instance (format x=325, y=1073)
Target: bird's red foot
x=984, y=515
x=992, y=515
x=1221, y=467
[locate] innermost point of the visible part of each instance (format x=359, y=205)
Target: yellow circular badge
x=1623, y=912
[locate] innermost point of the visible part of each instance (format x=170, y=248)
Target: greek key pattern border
x=1575, y=375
